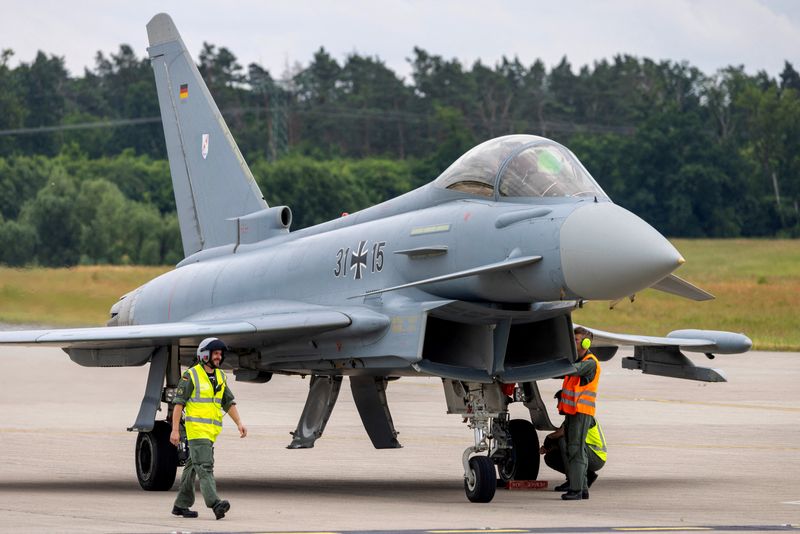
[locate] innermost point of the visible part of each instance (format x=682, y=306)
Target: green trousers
x=201, y=465
x=576, y=427
x=556, y=458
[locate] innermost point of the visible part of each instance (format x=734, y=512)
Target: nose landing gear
x=511, y=445
x=480, y=480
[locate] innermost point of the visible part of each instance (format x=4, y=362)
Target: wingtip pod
x=161, y=29
x=723, y=342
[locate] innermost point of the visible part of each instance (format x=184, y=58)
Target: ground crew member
x=204, y=392
x=577, y=403
x=554, y=450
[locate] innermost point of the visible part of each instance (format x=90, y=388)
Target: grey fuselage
x=335, y=263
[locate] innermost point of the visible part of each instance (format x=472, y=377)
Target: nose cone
x=609, y=253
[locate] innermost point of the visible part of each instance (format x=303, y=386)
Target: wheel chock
x=526, y=484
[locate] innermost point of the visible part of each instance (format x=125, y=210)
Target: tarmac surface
x=683, y=456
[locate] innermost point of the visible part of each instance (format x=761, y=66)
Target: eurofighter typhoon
x=471, y=278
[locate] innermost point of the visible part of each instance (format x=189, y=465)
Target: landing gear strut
x=155, y=457
x=483, y=407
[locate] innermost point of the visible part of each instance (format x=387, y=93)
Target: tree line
x=83, y=176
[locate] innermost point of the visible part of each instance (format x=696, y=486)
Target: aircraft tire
x=523, y=462
x=156, y=458
x=485, y=480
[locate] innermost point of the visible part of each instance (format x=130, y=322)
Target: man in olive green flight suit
x=578, y=393
x=216, y=397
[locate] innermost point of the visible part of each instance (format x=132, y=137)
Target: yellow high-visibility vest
x=597, y=441
x=204, y=408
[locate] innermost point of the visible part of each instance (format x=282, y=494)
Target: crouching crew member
x=554, y=450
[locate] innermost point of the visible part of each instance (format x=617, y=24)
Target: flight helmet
x=206, y=347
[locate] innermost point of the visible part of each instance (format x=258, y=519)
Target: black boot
x=220, y=508
x=562, y=487
x=183, y=512
x=591, y=476
x=574, y=495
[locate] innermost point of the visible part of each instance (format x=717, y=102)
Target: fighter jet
x=471, y=278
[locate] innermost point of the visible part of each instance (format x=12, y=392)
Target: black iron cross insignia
x=358, y=261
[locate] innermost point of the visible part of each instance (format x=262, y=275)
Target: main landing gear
x=510, y=444
x=156, y=458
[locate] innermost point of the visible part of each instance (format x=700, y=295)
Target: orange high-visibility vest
x=576, y=398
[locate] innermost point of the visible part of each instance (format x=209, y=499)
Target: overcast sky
x=759, y=34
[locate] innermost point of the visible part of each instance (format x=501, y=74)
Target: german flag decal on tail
x=184, y=92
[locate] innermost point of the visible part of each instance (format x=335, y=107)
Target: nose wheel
x=480, y=480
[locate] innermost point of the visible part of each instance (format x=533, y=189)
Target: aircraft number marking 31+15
x=360, y=260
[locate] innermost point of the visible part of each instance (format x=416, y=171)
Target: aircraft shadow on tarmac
x=365, y=488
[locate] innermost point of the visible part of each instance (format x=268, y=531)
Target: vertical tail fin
x=211, y=180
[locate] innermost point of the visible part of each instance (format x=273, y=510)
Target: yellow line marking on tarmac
x=698, y=446
x=702, y=403
x=473, y=531
x=661, y=529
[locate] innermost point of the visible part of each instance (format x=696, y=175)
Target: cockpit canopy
x=519, y=166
